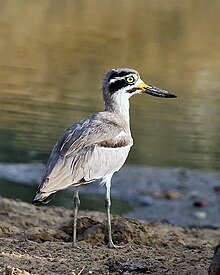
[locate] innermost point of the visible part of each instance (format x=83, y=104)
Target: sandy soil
x=37, y=240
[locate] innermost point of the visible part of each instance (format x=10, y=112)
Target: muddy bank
x=37, y=240
x=178, y=196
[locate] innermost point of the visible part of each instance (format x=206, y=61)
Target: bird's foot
x=112, y=245
x=74, y=245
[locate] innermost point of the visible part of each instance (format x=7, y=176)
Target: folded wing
x=86, y=152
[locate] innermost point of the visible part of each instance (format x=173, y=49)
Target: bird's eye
x=130, y=79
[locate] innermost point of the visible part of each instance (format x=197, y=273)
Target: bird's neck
x=119, y=106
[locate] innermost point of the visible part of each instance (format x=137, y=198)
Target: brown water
x=54, y=55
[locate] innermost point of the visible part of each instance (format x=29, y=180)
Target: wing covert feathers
x=89, y=150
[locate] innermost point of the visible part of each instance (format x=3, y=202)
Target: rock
x=217, y=189
x=200, y=214
x=172, y=195
x=200, y=203
x=214, y=268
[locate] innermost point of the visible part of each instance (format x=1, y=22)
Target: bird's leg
x=76, y=203
x=108, y=206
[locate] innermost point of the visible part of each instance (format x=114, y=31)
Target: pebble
x=200, y=203
x=200, y=214
x=172, y=195
x=217, y=189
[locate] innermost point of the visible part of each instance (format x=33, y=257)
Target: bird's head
x=128, y=82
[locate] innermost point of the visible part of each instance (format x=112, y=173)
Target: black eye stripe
x=117, y=85
x=117, y=74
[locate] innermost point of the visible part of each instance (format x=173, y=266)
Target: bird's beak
x=154, y=91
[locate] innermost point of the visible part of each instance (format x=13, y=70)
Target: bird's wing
x=79, y=157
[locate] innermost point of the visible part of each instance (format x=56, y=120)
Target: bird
x=97, y=146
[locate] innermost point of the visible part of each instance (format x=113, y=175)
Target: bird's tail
x=42, y=197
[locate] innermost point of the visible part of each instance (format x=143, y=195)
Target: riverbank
x=37, y=240
x=179, y=209
x=178, y=196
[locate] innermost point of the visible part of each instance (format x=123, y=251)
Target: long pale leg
x=108, y=206
x=76, y=203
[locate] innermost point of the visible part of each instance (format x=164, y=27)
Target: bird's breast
x=114, y=143
x=119, y=141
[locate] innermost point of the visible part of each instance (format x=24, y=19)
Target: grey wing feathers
x=77, y=157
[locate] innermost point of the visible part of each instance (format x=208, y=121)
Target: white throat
x=119, y=104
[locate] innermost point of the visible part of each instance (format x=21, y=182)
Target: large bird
x=97, y=146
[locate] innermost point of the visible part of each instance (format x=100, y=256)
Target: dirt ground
x=37, y=240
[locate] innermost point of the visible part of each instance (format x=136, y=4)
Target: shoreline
x=156, y=194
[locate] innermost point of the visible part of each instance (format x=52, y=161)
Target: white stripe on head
x=116, y=78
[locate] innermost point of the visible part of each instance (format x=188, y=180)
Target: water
x=90, y=202
x=54, y=55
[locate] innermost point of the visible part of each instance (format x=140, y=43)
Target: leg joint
x=107, y=203
x=76, y=201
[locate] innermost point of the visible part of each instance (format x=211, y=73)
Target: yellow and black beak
x=154, y=91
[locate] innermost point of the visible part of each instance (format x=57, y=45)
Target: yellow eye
x=130, y=79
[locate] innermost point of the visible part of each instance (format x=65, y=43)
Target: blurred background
x=54, y=55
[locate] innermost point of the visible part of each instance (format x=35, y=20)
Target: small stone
x=172, y=195
x=217, y=189
x=200, y=214
x=200, y=203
